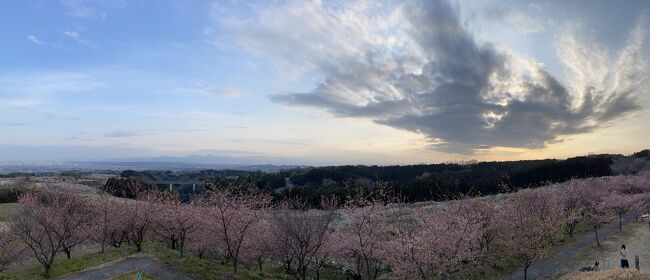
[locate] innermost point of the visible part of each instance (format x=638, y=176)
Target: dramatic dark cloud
x=470, y=96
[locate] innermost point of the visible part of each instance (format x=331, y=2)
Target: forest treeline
x=420, y=182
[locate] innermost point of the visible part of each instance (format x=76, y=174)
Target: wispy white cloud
x=204, y=89
x=302, y=36
x=34, y=39
x=601, y=78
x=33, y=89
x=95, y=9
x=221, y=91
x=527, y=21
x=72, y=34
x=75, y=36
x=123, y=133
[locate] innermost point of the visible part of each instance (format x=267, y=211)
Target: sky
x=323, y=82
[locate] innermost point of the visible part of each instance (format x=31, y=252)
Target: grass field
x=5, y=210
x=214, y=269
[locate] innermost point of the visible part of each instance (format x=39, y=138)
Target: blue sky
x=328, y=82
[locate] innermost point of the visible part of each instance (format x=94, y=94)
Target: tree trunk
x=67, y=251
x=570, y=229
x=259, y=263
x=287, y=267
x=47, y=268
x=525, y=273
x=235, y=262
x=303, y=273
x=181, y=244
x=596, y=231
x=138, y=240
x=620, y=222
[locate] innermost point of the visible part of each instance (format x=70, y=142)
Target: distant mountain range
x=191, y=162
x=201, y=159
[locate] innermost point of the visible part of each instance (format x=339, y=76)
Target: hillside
x=421, y=182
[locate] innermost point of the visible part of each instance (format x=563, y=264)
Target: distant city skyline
x=323, y=82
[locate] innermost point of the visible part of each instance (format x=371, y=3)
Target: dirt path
x=130, y=264
x=549, y=267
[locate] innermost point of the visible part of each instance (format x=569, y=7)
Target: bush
x=10, y=195
x=121, y=187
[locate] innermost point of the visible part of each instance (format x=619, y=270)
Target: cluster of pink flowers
x=369, y=237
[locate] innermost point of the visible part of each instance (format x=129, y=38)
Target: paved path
x=130, y=264
x=547, y=267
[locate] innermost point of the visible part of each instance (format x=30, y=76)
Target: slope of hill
x=420, y=182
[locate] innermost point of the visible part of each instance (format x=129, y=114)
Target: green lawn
x=214, y=269
x=67, y=266
x=204, y=268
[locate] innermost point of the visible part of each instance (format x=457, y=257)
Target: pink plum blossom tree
x=619, y=205
x=138, y=217
x=360, y=237
x=432, y=244
x=176, y=221
x=232, y=213
x=596, y=210
x=572, y=203
x=299, y=236
x=49, y=221
x=105, y=221
x=530, y=225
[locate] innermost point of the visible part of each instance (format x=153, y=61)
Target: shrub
x=10, y=195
